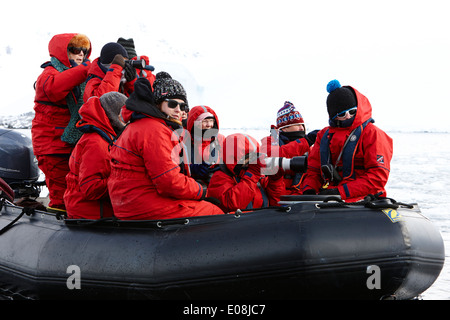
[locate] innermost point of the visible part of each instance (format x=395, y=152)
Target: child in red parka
x=87, y=194
x=240, y=184
x=59, y=89
x=351, y=157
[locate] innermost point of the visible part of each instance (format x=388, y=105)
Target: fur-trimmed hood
x=58, y=45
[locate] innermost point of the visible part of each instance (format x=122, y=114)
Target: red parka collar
x=92, y=114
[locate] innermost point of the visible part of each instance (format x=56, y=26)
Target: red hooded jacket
x=148, y=180
x=100, y=82
x=87, y=195
x=248, y=188
x=371, y=158
x=51, y=112
x=201, y=148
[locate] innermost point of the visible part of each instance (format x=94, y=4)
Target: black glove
x=311, y=137
x=200, y=170
x=130, y=72
x=330, y=192
x=309, y=191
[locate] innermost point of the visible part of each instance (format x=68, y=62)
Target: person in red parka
x=87, y=194
x=205, y=143
x=110, y=72
x=59, y=89
x=143, y=71
x=149, y=172
x=240, y=184
x=351, y=157
x=288, y=139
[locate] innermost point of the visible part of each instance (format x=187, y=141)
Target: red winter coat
x=201, y=149
x=146, y=181
x=289, y=150
x=242, y=191
x=51, y=111
x=100, y=82
x=372, y=157
x=87, y=195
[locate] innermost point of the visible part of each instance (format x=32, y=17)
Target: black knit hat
x=110, y=50
x=128, y=44
x=165, y=87
x=340, y=98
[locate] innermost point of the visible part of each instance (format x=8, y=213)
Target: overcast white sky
x=251, y=56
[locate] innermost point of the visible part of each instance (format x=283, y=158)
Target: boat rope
x=27, y=211
x=119, y=223
x=238, y=212
x=370, y=201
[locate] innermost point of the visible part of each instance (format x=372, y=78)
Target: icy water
x=420, y=169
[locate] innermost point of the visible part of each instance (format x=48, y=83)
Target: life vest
x=348, y=152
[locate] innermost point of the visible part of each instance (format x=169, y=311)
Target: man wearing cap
x=110, y=72
x=289, y=139
x=351, y=157
x=147, y=70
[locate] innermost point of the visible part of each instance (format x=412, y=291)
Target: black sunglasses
x=174, y=103
x=77, y=50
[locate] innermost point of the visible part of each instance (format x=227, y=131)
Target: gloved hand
x=200, y=170
x=330, y=192
x=130, y=72
x=258, y=167
x=309, y=192
x=119, y=60
x=311, y=137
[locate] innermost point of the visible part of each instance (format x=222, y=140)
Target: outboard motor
x=18, y=165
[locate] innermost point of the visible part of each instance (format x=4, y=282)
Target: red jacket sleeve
x=57, y=85
x=233, y=195
x=111, y=82
x=292, y=149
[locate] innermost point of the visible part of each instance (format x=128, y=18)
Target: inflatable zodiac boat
x=310, y=247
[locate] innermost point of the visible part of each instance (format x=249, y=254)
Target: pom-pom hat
x=165, y=87
x=340, y=98
x=288, y=116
